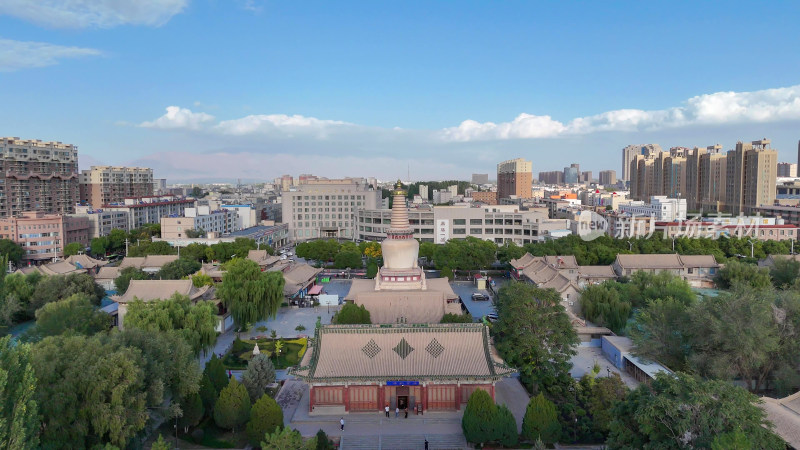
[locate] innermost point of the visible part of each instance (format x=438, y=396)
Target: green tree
x=19, y=418
x=196, y=323
x=192, y=407
x=541, y=421
x=350, y=314
x=603, y=394
x=682, y=411
x=505, y=427
x=733, y=440
x=659, y=332
x=348, y=260
x=323, y=442
x=168, y=362
x=259, y=375
x=99, y=246
x=457, y=318
x=208, y=394
x=534, y=334
x=178, y=269
x=127, y=274
x=465, y=254
x=215, y=371
x=73, y=249
x=249, y=294
x=12, y=250
x=196, y=233
x=265, y=417
x=372, y=269
x=195, y=252
x=478, y=421
x=233, y=406
x=784, y=272
x=601, y=303
x=116, y=239
x=201, y=279
x=161, y=444
x=74, y=315
x=736, y=272
x=283, y=439
x=89, y=391
x=447, y=272
x=509, y=251
x=59, y=287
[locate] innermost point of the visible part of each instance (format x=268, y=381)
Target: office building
x=159, y=186
x=751, y=174
x=453, y=189
x=586, y=177
x=199, y=219
x=102, y=185
x=146, y=210
x=423, y=192
x=101, y=221
x=660, y=208
x=487, y=197
x=503, y=223
x=631, y=151
x=37, y=176
x=608, y=177
x=441, y=197
x=43, y=236
x=327, y=208
x=480, y=178
x=514, y=178
x=244, y=215
x=787, y=170
x=552, y=177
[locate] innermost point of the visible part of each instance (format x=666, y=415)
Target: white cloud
x=93, y=13
x=179, y=118
x=280, y=123
x=769, y=105
x=16, y=55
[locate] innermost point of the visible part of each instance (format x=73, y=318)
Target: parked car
x=491, y=317
x=477, y=296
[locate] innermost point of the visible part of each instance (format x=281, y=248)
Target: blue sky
x=258, y=88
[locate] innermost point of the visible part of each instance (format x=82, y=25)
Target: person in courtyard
x=426, y=443
x=387, y=410
x=406, y=412
x=341, y=423
x=396, y=412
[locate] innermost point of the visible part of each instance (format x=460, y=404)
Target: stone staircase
x=404, y=442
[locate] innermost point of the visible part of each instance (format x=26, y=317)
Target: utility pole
x=126, y=246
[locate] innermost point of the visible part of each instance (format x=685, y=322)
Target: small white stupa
x=256, y=350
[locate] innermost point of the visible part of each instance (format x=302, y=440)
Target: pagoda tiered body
x=400, y=251
x=400, y=292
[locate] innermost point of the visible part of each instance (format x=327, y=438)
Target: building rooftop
x=408, y=352
x=784, y=413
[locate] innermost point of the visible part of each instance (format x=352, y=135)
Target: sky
x=214, y=90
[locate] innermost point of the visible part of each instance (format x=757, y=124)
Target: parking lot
x=478, y=309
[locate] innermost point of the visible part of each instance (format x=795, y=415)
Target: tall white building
x=423, y=192
x=661, y=208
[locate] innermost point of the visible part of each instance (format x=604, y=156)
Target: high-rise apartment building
x=326, y=208
x=631, y=151
x=572, y=174
x=674, y=182
x=101, y=185
x=787, y=170
x=453, y=190
x=37, y=176
x=423, y=192
x=552, y=177
x=43, y=236
x=608, y=177
x=712, y=170
x=480, y=178
x=751, y=174
x=514, y=177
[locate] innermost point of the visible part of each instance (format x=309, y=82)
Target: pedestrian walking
x=341, y=424
x=387, y=410
x=230, y=374
x=396, y=412
x=426, y=443
x=406, y=412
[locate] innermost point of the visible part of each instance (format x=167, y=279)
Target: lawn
x=242, y=351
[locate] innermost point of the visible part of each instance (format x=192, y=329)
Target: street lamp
x=609, y=372
x=752, y=247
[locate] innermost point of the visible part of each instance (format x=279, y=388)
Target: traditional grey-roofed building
x=697, y=270
x=366, y=367
x=150, y=290
x=784, y=413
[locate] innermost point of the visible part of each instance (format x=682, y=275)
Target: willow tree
x=250, y=294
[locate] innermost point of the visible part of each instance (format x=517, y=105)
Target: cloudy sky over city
x=222, y=89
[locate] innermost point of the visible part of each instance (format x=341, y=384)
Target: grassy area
x=242, y=351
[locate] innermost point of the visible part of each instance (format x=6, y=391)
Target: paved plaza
x=583, y=362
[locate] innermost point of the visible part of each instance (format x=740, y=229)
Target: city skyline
x=444, y=89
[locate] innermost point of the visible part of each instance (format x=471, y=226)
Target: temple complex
x=406, y=358
x=400, y=293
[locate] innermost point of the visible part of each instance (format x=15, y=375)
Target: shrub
x=233, y=406
x=265, y=417
x=541, y=421
x=478, y=419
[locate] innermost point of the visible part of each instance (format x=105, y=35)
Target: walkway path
x=510, y=392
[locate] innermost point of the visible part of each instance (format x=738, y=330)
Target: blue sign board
x=402, y=383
